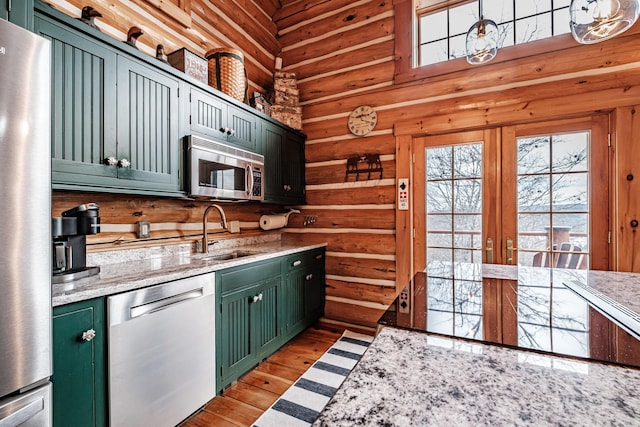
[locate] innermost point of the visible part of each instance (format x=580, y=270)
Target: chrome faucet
x=205, y=238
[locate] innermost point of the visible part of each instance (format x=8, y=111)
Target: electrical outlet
x=403, y=302
x=234, y=226
x=144, y=229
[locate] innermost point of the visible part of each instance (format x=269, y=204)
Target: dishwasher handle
x=156, y=306
x=140, y=302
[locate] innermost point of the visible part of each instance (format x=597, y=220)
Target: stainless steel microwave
x=216, y=170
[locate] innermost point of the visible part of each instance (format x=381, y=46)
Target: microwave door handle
x=249, y=180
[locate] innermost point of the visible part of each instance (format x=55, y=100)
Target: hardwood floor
x=244, y=401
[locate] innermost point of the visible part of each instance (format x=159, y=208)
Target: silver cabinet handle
x=510, y=251
x=258, y=297
x=309, y=276
x=124, y=163
x=296, y=263
x=319, y=256
x=489, y=251
x=110, y=161
x=88, y=335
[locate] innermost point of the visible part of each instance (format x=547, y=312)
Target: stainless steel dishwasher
x=161, y=352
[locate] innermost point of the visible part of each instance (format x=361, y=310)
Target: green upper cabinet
x=284, y=165
x=114, y=118
x=20, y=12
x=148, y=146
x=214, y=117
x=83, y=89
x=118, y=117
x=79, y=376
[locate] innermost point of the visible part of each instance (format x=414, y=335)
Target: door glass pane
x=454, y=202
x=553, y=200
x=454, y=235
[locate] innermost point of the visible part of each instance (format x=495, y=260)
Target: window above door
x=430, y=34
x=442, y=26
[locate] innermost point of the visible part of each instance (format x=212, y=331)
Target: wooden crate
x=192, y=64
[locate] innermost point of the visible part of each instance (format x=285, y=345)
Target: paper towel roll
x=270, y=222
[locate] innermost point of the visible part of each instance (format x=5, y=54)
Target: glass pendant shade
x=482, y=41
x=593, y=21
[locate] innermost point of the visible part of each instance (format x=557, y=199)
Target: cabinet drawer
x=237, y=277
x=304, y=259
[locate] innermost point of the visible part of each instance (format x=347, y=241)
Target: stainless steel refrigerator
x=25, y=230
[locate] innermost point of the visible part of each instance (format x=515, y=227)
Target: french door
x=528, y=195
x=531, y=195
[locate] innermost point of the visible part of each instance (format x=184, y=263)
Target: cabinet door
x=83, y=96
x=244, y=128
x=314, y=293
x=293, y=168
x=284, y=165
x=208, y=114
x=78, y=365
x=294, y=309
x=214, y=117
x=266, y=317
x=272, y=143
x=147, y=128
x=235, y=350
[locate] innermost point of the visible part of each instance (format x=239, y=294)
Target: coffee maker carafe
x=69, y=236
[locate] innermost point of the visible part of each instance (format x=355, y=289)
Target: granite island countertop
x=127, y=272
x=472, y=344
x=409, y=378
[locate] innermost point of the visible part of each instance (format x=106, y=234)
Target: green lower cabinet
x=314, y=293
x=79, y=377
x=304, y=290
x=263, y=305
x=248, y=321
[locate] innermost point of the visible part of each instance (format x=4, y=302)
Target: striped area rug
x=301, y=404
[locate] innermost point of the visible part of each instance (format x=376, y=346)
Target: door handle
x=510, y=251
x=489, y=250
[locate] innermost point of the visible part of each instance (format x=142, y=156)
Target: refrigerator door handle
x=25, y=412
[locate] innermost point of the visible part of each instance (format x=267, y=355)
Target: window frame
x=406, y=40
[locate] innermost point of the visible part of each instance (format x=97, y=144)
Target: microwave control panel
x=257, y=182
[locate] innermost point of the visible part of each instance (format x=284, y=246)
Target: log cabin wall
x=347, y=54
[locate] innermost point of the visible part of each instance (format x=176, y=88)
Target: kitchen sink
x=225, y=256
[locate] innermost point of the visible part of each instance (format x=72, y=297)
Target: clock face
x=362, y=120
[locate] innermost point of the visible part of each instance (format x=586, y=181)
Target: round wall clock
x=362, y=120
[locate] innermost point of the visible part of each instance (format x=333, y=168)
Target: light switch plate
x=403, y=194
x=403, y=302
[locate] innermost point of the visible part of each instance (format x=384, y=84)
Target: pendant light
x=482, y=40
x=593, y=21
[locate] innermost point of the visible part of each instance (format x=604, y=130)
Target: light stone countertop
x=122, y=271
x=409, y=378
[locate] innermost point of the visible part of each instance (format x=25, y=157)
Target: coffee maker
x=69, y=236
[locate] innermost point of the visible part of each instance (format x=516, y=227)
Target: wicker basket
x=227, y=72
